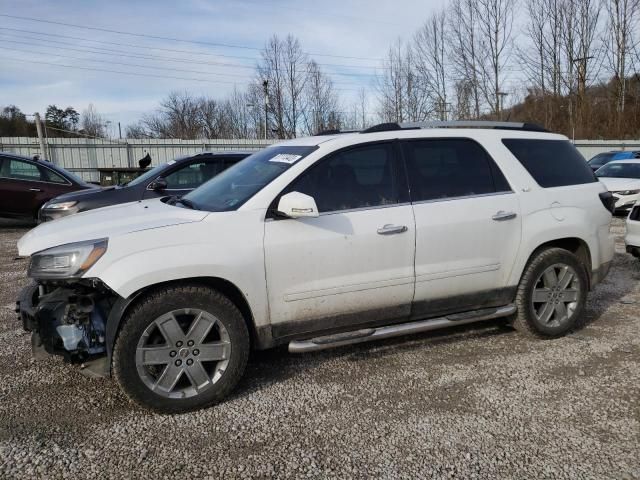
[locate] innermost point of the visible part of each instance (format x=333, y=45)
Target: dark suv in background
x=27, y=183
x=174, y=178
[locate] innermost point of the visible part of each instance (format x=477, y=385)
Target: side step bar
x=370, y=334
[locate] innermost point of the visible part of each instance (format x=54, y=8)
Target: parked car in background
x=321, y=242
x=632, y=238
x=602, y=159
x=27, y=183
x=622, y=179
x=174, y=178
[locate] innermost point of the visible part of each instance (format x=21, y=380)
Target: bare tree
x=430, y=53
x=284, y=67
x=321, y=112
x=464, y=48
x=495, y=24
x=400, y=89
x=92, y=122
x=582, y=53
x=620, y=41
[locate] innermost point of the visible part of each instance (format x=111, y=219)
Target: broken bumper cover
x=66, y=321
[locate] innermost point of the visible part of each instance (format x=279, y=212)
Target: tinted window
x=601, y=159
x=194, y=175
x=552, y=163
x=20, y=170
x=53, y=177
x=237, y=184
x=620, y=170
x=355, y=178
x=449, y=168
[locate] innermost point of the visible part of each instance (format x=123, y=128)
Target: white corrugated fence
x=84, y=155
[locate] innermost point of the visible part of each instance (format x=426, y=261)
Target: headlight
x=67, y=261
x=628, y=192
x=60, y=206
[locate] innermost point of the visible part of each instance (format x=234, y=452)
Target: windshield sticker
x=286, y=158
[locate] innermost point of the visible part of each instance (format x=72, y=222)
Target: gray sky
x=329, y=30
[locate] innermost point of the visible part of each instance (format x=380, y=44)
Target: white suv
x=318, y=242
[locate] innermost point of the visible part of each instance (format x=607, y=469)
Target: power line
x=200, y=72
x=171, y=39
x=138, y=74
x=173, y=50
x=110, y=52
x=115, y=71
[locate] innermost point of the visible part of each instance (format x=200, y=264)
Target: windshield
x=601, y=159
x=620, y=170
x=147, y=176
x=233, y=187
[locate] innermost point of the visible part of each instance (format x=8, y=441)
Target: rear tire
x=552, y=294
x=181, y=348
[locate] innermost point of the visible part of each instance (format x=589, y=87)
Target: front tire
x=552, y=294
x=181, y=348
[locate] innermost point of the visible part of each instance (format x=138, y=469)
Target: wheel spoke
x=561, y=311
x=155, y=355
x=570, y=295
x=214, y=351
x=197, y=375
x=565, y=277
x=541, y=295
x=170, y=329
x=200, y=327
x=545, y=312
x=169, y=377
x=550, y=277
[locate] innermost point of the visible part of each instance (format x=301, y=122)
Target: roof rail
x=334, y=131
x=387, y=127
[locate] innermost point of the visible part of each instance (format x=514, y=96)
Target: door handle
x=390, y=229
x=501, y=216
x=35, y=190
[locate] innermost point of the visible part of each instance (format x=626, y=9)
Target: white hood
x=620, y=184
x=106, y=222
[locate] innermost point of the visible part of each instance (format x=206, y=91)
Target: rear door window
x=192, y=176
x=20, y=170
x=551, y=163
x=450, y=168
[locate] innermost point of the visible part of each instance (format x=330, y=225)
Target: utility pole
x=265, y=86
x=119, y=131
x=500, y=99
x=43, y=148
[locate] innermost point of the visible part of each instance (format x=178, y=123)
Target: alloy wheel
x=556, y=295
x=183, y=353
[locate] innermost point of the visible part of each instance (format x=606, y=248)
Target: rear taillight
x=608, y=200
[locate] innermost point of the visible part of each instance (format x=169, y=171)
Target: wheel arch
x=122, y=306
x=575, y=245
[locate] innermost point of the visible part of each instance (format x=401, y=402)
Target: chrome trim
x=464, y=197
x=349, y=210
x=369, y=334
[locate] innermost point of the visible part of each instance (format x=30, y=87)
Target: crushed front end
x=68, y=318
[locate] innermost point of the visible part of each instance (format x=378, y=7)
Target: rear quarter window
x=552, y=163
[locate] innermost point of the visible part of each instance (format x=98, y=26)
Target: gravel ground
x=474, y=402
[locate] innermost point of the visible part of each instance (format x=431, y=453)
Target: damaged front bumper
x=68, y=319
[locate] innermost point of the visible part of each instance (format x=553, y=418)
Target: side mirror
x=158, y=184
x=297, y=205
